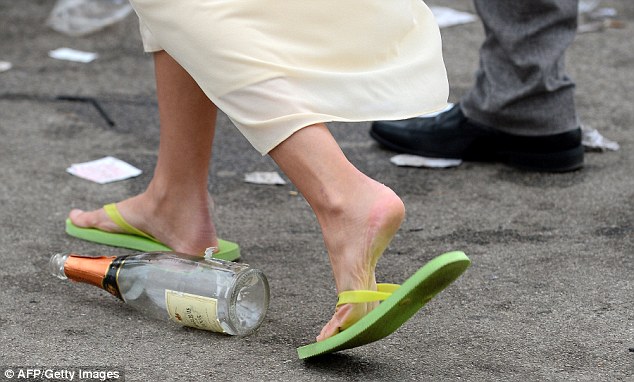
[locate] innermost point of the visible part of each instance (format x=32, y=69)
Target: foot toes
x=329, y=330
x=92, y=219
x=78, y=217
x=343, y=318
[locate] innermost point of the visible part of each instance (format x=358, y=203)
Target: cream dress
x=275, y=66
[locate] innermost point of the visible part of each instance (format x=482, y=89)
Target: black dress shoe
x=451, y=135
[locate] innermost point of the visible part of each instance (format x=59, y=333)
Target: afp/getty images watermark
x=62, y=374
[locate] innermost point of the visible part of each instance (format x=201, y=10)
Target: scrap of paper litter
x=407, y=160
x=448, y=17
x=104, y=170
x=271, y=178
x=593, y=140
x=5, y=65
x=72, y=55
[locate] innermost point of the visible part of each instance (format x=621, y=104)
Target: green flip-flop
x=399, y=303
x=134, y=238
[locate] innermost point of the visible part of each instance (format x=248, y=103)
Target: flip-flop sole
x=413, y=294
x=227, y=250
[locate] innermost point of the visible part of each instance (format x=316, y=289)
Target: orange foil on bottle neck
x=89, y=270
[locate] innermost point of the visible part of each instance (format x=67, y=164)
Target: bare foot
x=356, y=238
x=185, y=227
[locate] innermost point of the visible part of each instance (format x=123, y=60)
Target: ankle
x=335, y=200
x=159, y=193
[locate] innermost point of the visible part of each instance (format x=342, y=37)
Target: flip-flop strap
x=113, y=213
x=385, y=287
x=361, y=296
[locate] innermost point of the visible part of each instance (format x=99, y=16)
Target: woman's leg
x=175, y=208
x=358, y=216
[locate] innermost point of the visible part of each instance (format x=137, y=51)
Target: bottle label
x=192, y=310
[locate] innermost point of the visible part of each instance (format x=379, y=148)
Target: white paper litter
x=593, y=140
x=104, y=170
x=5, y=65
x=603, y=13
x=271, y=178
x=72, y=55
x=407, y=160
x=587, y=6
x=82, y=17
x=448, y=17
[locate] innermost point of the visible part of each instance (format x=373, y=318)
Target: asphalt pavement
x=549, y=296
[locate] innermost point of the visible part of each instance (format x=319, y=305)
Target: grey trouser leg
x=521, y=85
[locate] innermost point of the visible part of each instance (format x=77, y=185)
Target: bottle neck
x=89, y=270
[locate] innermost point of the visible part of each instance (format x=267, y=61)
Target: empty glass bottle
x=200, y=292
